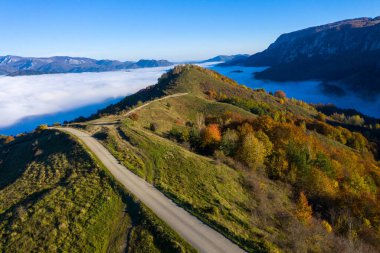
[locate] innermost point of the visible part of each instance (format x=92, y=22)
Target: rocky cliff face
x=355, y=35
x=345, y=54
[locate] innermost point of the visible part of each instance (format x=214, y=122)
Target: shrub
x=153, y=127
x=230, y=141
x=321, y=116
x=180, y=135
x=280, y=94
x=327, y=226
x=42, y=127
x=134, y=116
x=338, y=117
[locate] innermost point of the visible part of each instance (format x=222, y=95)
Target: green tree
x=229, y=142
x=323, y=163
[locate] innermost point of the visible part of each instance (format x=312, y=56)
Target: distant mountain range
x=16, y=65
x=345, y=55
x=225, y=58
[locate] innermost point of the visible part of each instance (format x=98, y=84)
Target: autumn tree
x=211, y=94
x=357, y=141
x=355, y=120
x=321, y=116
x=251, y=151
x=211, y=135
x=280, y=94
x=9, y=139
x=304, y=211
x=262, y=137
x=245, y=129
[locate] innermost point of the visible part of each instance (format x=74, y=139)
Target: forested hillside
x=269, y=172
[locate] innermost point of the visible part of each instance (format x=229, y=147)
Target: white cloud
x=25, y=96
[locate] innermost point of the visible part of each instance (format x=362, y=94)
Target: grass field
x=55, y=198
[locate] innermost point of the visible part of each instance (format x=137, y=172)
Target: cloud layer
x=26, y=96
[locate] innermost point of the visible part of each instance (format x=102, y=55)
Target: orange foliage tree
x=9, y=139
x=211, y=134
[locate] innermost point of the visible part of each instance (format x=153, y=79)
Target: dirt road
x=200, y=236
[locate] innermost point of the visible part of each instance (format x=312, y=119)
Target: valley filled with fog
x=308, y=91
x=38, y=99
x=28, y=101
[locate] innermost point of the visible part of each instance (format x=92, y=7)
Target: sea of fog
x=309, y=91
x=28, y=101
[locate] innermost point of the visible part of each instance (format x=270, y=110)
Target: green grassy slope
x=55, y=198
x=211, y=191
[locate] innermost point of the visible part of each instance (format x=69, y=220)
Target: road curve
x=200, y=236
x=158, y=99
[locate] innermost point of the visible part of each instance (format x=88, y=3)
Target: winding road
x=158, y=99
x=200, y=236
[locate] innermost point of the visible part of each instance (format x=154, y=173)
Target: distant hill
x=344, y=53
x=225, y=58
x=16, y=65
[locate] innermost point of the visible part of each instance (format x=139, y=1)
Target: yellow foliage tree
x=252, y=151
x=304, y=211
x=327, y=226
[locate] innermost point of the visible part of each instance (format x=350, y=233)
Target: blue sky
x=168, y=29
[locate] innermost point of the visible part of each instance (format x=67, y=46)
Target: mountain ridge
x=225, y=58
x=17, y=65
